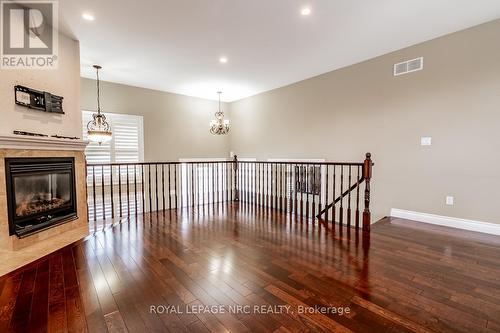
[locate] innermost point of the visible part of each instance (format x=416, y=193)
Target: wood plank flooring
x=242, y=269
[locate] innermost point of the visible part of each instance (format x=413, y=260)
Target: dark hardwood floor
x=405, y=277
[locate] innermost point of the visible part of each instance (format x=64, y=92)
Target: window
x=127, y=144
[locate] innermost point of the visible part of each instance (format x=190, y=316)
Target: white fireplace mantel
x=40, y=143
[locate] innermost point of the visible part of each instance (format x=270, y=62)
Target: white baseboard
x=453, y=222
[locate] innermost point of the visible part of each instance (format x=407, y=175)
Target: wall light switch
x=425, y=141
x=449, y=201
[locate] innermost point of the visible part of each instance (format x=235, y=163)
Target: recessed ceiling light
x=305, y=11
x=223, y=60
x=88, y=16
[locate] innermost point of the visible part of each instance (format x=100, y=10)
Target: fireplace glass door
x=41, y=193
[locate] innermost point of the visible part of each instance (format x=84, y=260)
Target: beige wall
x=345, y=113
x=175, y=126
x=63, y=81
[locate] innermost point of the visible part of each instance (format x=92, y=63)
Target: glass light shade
x=99, y=137
x=98, y=129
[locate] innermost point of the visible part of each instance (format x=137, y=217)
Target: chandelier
x=98, y=129
x=219, y=125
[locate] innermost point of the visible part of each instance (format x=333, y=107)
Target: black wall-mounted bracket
x=38, y=100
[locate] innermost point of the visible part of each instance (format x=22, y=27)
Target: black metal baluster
x=254, y=183
x=289, y=180
x=326, y=194
x=192, y=185
x=222, y=181
x=203, y=184
x=296, y=187
x=273, y=186
x=217, y=184
x=120, y=188
x=308, y=184
x=103, y=196
x=238, y=188
x=302, y=177
x=175, y=184
x=94, y=197
x=163, y=187
x=213, y=184
x=341, y=212
x=143, y=190
x=270, y=185
x=169, y=188
x=249, y=178
x=227, y=172
x=284, y=188
x=186, y=188
x=149, y=192
x=156, y=187
x=196, y=177
x=128, y=195
x=320, y=184
x=266, y=184
x=243, y=182
x=276, y=187
x=198, y=186
x=230, y=180
x=263, y=187
x=280, y=207
x=251, y=183
x=334, y=197
x=349, y=200
x=135, y=188
x=246, y=183
x=181, y=192
x=357, y=198
x=313, y=187
x=111, y=188
x=259, y=192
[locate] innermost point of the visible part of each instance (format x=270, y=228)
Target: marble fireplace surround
x=16, y=252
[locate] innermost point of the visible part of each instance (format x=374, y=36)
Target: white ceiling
x=175, y=45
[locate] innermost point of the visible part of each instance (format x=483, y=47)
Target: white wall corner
x=446, y=221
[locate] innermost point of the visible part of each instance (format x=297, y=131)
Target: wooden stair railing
x=298, y=188
x=367, y=174
x=340, y=197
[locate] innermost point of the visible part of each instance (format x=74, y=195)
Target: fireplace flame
x=38, y=203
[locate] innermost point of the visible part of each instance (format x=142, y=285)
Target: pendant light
x=98, y=129
x=219, y=125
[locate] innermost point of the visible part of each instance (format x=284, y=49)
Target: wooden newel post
x=367, y=174
x=235, y=166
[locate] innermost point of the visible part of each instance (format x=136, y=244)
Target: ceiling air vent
x=409, y=66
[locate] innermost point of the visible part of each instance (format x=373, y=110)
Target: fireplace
x=41, y=193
